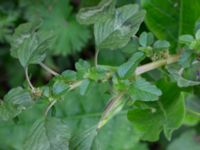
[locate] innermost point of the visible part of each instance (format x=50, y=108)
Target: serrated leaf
x=58, y=17
x=116, y=31
x=174, y=71
x=167, y=114
x=187, y=140
x=15, y=101
x=48, y=134
x=161, y=45
x=146, y=39
x=98, y=13
x=144, y=91
x=28, y=45
x=117, y=134
x=127, y=69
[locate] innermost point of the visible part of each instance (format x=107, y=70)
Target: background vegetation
x=166, y=19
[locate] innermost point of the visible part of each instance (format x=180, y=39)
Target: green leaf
x=82, y=113
x=161, y=45
x=186, y=39
x=48, y=134
x=197, y=35
x=166, y=114
x=59, y=87
x=98, y=13
x=174, y=71
x=28, y=45
x=58, y=17
x=84, y=86
x=69, y=75
x=127, y=69
x=186, y=58
x=187, y=140
x=116, y=31
x=146, y=39
x=82, y=68
x=15, y=101
x=169, y=19
x=144, y=91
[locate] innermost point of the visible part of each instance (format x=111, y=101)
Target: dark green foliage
x=129, y=81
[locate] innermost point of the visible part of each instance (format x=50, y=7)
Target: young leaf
x=174, y=71
x=48, y=134
x=127, y=69
x=146, y=39
x=98, y=13
x=186, y=39
x=166, y=114
x=161, y=45
x=186, y=58
x=59, y=87
x=28, y=45
x=117, y=30
x=144, y=91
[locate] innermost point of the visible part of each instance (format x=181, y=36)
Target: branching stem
x=151, y=66
x=49, y=69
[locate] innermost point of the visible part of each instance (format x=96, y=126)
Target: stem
x=96, y=57
x=49, y=107
x=28, y=80
x=49, y=69
x=151, y=66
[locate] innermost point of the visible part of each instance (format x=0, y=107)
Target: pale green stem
x=151, y=66
x=49, y=69
x=28, y=80
x=96, y=57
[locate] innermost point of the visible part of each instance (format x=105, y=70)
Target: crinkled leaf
x=127, y=69
x=48, y=134
x=82, y=114
x=166, y=114
x=116, y=31
x=144, y=91
x=15, y=101
x=28, y=45
x=98, y=13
